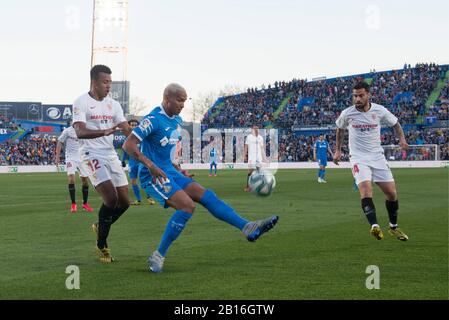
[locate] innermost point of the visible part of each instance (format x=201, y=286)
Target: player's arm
x=339, y=142
x=125, y=128
x=183, y=171
x=400, y=134
x=263, y=152
x=314, y=152
x=131, y=147
x=245, y=153
x=83, y=133
x=125, y=157
x=58, y=152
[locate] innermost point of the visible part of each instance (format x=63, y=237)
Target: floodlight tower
x=110, y=44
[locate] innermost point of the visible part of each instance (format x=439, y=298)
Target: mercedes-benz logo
x=33, y=109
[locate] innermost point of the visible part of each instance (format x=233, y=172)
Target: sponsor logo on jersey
x=100, y=117
x=364, y=126
x=145, y=124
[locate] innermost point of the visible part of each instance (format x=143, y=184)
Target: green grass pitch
x=320, y=248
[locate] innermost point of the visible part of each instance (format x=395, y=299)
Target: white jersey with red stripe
x=97, y=115
x=364, y=132
x=72, y=146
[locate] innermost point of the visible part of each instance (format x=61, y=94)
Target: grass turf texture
x=320, y=248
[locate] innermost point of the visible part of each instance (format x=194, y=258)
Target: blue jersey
x=321, y=149
x=213, y=155
x=159, y=135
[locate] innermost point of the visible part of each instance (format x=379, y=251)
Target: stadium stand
x=417, y=96
x=299, y=109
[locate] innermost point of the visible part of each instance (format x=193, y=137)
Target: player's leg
x=323, y=169
x=122, y=203
x=133, y=173
x=120, y=181
x=72, y=191
x=386, y=183
x=109, y=196
x=168, y=195
x=250, y=171
x=85, y=186
x=319, y=171
x=215, y=168
x=184, y=207
x=323, y=173
x=363, y=177
x=70, y=167
x=99, y=171
x=136, y=192
x=222, y=211
x=84, y=175
x=210, y=169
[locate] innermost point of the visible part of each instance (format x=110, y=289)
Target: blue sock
x=319, y=173
x=210, y=170
x=136, y=191
x=174, y=228
x=323, y=173
x=221, y=210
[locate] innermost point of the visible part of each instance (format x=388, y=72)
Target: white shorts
x=72, y=166
x=254, y=163
x=378, y=171
x=104, y=167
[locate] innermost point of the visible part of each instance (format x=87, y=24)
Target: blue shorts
x=322, y=161
x=177, y=181
x=133, y=171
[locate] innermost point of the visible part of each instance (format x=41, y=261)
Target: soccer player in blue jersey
x=133, y=166
x=171, y=186
x=213, y=154
x=320, y=150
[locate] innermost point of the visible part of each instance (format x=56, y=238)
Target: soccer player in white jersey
x=95, y=118
x=73, y=164
x=363, y=120
x=254, y=152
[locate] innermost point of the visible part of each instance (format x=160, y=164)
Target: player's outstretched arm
x=83, y=133
x=400, y=134
x=131, y=148
x=58, y=152
x=183, y=171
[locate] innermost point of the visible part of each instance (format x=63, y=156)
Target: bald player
x=158, y=134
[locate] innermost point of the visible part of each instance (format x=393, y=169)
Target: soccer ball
x=262, y=183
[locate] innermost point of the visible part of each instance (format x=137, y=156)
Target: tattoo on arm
x=339, y=138
x=398, y=131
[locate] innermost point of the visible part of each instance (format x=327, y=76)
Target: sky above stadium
x=208, y=44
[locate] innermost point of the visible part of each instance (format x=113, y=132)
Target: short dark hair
x=133, y=120
x=362, y=85
x=96, y=70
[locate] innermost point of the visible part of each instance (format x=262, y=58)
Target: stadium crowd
x=7, y=123
x=33, y=150
x=318, y=103
x=307, y=104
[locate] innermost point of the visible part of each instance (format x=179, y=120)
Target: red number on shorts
x=355, y=169
x=95, y=165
